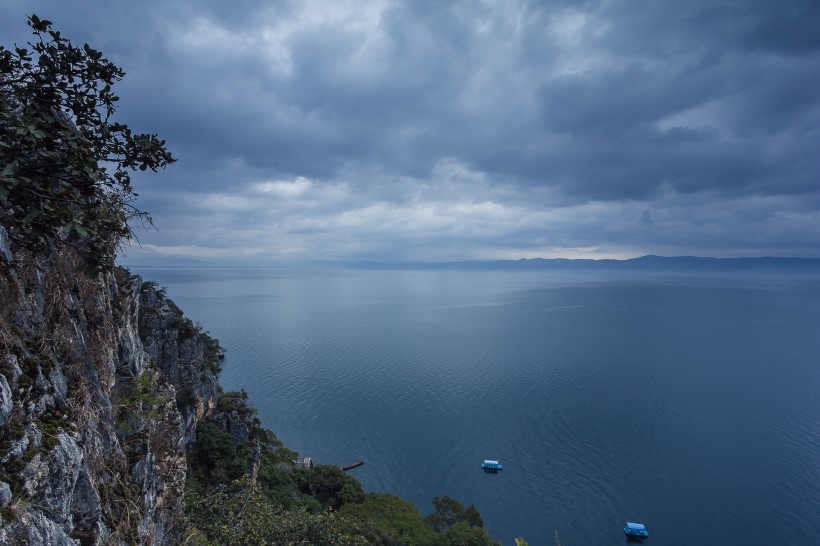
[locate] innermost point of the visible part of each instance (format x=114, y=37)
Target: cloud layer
x=470, y=130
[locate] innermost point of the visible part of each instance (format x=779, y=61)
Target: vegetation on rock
x=242, y=514
x=65, y=166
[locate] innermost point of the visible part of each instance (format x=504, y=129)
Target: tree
x=241, y=514
x=461, y=534
x=65, y=166
x=215, y=459
x=390, y=520
x=447, y=512
x=329, y=485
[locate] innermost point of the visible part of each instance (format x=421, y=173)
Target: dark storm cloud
x=536, y=128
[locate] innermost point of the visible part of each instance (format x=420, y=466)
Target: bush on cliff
x=329, y=485
x=215, y=460
x=391, y=521
x=65, y=167
x=242, y=514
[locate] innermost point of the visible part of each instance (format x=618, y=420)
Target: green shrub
x=388, y=519
x=214, y=459
x=329, y=485
x=65, y=166
x=242, y=514
x=234, y=401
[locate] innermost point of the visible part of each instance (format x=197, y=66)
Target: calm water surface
x=688, y=403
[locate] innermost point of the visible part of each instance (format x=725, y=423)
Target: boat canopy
x=638, y=526
x=487, y=461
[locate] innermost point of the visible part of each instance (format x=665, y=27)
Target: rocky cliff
x=102, y=382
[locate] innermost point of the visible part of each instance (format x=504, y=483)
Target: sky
x=470, y=130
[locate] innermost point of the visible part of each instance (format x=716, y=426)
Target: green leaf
x=10, y=169
x=31, y=215
x=77, y=228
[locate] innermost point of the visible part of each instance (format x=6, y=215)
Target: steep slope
x=102, y=381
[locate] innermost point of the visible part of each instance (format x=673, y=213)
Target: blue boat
x=491, y=466
x=636, y=530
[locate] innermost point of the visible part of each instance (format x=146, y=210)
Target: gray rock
x=256, y=460
x=34, y=529
x=14, y=365
x=145, y=476
x=41, y=531
x=100, y=333
x=85, y=503
x=6, y=402
x=5, y=494
x=49, y=480
x=31, y=437
x=60, y=384
x=5, y=245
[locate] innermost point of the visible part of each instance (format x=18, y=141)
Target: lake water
x=688, y=403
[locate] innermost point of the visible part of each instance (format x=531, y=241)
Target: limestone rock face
x=5, y=245
x=102, y=381
x=5, y=494
x=235, y=416
x=173, y=343
x=5, y=400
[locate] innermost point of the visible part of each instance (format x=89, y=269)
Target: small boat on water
x=351, y=466
x=636, y=530
x=491, y=466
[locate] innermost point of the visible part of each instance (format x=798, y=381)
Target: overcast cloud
x=443, y=131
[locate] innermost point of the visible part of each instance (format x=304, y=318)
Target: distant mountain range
x=644, y=263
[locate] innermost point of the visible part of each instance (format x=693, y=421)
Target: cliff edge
x=102, y=383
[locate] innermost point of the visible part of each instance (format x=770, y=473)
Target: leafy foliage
x=65, y=167
x=460, y=526
x=329, y=485
x=234, y=401
x=211, y=352
x=215, y=460
x=242, y=514
x=138, y=408
x=390, y=521
x=448, y=512
x=462, y=534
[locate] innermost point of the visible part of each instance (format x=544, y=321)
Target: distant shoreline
x=644, y=263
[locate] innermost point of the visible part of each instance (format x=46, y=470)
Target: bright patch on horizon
x=193, y=251
x=284, y=188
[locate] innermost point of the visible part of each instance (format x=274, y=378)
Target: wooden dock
x=351, y=466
